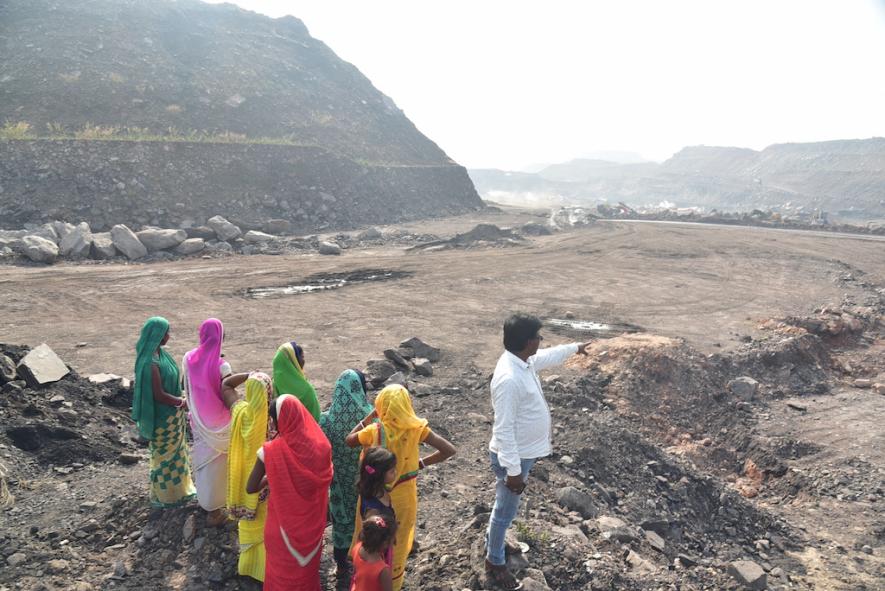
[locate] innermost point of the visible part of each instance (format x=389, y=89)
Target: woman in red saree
x=297, y=468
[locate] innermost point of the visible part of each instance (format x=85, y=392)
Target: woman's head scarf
x=299, y=460
x=248, y=433
x=203, y=373
x=289, y=378
x=403, y=430
x=349, y=406
x=148, y=346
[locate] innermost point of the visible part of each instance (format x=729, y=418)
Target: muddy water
x=326, y=282
x=590, y=328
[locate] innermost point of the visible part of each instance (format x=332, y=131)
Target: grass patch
x=22, y=130
x=526, y=533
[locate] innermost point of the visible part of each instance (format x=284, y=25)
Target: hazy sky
x=511, y=83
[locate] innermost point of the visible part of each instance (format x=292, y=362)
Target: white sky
x=511, y=83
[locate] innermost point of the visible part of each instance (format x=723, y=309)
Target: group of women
x=269, y=458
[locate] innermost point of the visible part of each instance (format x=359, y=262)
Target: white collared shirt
x=522, y=417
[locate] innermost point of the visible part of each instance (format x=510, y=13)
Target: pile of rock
x=54, y=240
x=47, y=409
x=413, y=357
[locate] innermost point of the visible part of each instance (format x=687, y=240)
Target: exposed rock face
x=77, y=242
x=197, y=184
x=155, y=239
x=39, y=250
x=127, y=242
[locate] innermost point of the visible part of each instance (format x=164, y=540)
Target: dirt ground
x=709, y=285
x=704, y=290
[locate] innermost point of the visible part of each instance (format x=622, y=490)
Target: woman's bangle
x=421, y=464
x=180, y=403
x=362, y=425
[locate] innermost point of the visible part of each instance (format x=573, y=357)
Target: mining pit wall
x=179, y=184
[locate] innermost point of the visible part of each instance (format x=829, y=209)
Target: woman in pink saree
x=203, y=371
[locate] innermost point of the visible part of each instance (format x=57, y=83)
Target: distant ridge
x=839, y=176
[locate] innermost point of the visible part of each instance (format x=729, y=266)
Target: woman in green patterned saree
x=161, y=414
x=349, y=406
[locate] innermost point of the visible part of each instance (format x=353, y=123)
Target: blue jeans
x=505, y=509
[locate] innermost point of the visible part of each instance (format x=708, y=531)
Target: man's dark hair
x=519, y=329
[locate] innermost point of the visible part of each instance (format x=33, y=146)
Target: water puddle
x=590, y=328
x=327, y=282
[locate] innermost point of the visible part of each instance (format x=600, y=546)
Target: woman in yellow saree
x=249, y=429
x=402, y=432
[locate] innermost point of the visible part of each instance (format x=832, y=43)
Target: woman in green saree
x=161, y=415
x=289, y=377
x=349, y=406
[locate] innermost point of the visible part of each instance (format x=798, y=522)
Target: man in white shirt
x=522, y=429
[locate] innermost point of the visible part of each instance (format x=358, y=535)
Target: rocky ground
x=682, y=460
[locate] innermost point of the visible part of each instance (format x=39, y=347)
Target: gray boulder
x=42, y=366
x=254, y=237
x=39, y=250
x=615, y=529
x=77, y=243
x=223, y=228
x=204, y=232
x=744, y=387
x=421, y=349
x=576, y=500
x=397, y=359
x=749, y=574
x=329, y=248
x=45, y=231
x=278, y=227
x=379, y=370
x=219, y=247
x=156, y=239
x=62, y=229
x=423, y=366
x=369, y=234
x=7, y=369
x=191, y=246
x=398, y=378
x=638, y=563
x=127, y=242
x=11, y=242
x=535, y=229
x=103, y=246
